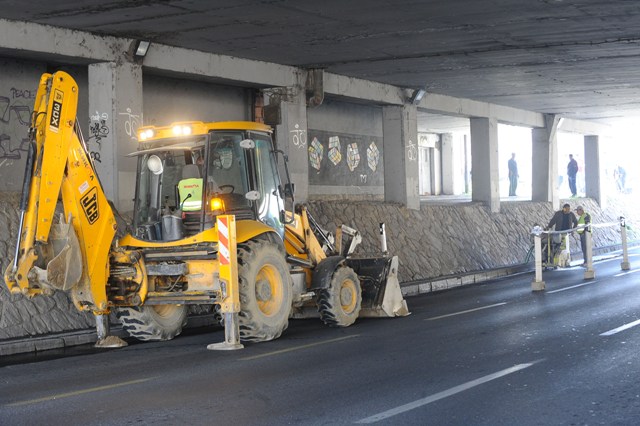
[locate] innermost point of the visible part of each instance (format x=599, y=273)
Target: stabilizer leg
x=231, y=334
x=106, y=340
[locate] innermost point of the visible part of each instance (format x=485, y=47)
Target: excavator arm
x=73, y=253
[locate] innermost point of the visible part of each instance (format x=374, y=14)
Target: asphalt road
x=489, y=354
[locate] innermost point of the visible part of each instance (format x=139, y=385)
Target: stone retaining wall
x=451, y=239
x=437, y=240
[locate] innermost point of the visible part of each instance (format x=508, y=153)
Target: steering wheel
x=224, y=189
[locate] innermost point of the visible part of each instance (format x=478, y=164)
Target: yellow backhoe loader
x=190, y=174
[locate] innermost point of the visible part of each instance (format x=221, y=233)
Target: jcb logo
x=90, y=205
x=56, y=111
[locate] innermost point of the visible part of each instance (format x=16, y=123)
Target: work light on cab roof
x=186, y=128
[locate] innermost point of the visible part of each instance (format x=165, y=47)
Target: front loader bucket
x=64, y=270
x=381, y=294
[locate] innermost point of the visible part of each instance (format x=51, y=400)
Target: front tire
x=339, y=304
x=265, y=291
x=153, y=323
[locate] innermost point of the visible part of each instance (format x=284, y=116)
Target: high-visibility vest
x=581, y=221
x=193, y=187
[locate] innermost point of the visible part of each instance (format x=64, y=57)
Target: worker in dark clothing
x=563, y=219
x=513, y=175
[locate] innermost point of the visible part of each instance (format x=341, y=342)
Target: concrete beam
x=36, y=39
x=442, y=104
x=357, y=89
x=583, y=127
x=241, y=71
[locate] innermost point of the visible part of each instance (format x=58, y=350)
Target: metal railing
x=538, y=232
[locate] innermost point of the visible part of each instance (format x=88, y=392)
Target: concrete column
x=291, y=137
x=484, y=162
x=593, y=183
x=401, y=172
x=115, y=113
x=545, y=162
x=448, y=169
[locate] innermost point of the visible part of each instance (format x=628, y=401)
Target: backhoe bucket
x=64, y=270
x=381, y=294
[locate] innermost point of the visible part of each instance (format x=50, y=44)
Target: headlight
x=154, y=164
x=146, y=134
x=181, y=130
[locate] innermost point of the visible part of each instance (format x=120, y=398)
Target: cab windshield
x=183, y=185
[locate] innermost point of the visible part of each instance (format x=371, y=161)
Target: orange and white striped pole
x=228, y=271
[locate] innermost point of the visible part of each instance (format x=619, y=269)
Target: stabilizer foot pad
x=224, y=346
x=111, y=342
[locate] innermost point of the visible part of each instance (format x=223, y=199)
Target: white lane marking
x=621, y=328
x=79, y=392
x=571, y=287
x=297, y=348
x=627, y=272
x=444, y=394
x=466, y=312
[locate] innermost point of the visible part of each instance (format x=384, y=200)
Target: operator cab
x=185, y=181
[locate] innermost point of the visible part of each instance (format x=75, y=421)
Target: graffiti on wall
x=131, y=123
x=98, y=130
x=14, y=115
x=298, y=137
x=412, y=151
x=344, y=153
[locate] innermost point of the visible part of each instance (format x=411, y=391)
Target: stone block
x=46, y=344
x=17, y=347
x=425, y=288
x=80, y=339
x=439, y=285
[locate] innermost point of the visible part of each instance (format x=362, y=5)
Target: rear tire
x=153, y=323
x=265, y=291
x=339, y=304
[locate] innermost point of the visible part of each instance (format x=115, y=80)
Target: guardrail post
x=590, y=273
x=624, y=265
x=228, y=270
x=383, y=238
x=537, y=284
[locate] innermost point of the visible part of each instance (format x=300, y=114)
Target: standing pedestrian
x=572, y=171
x=584, y=218
x=513, y=175
x=620, y=176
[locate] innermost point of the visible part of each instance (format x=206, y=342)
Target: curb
x=414, y=288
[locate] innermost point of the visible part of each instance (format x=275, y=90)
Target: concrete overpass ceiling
x=576, y=58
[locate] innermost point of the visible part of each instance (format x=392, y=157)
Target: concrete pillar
x=401, y=173
x=593, y=183
x=115, y=113
x=291, y=137
x=448, y=169
x=545, y=162
x=484, y=162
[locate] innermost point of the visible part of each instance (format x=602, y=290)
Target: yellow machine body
x=81, y=252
